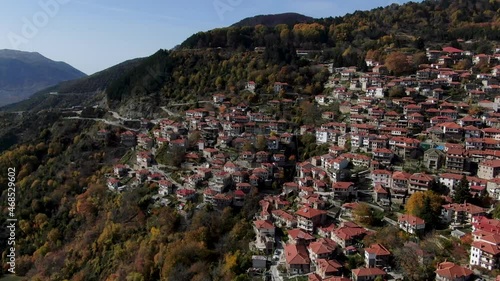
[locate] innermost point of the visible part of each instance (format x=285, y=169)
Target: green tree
x=496, y=211
x=462, y=193
x=261, y=143
x=171, y=155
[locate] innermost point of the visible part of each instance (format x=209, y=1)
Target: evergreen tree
x=427, y=214
x=462, y=193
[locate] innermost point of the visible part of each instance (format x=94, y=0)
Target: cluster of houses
x=230, y=152
x=449, y=139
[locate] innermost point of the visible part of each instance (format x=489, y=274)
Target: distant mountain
x=83, y=88
x=25, y=73
x=273, y=20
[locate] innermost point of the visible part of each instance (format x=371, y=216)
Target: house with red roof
x=420, y=182
x=367, y=274
x=239, y=198
x=297, y=259
x=284, y=219
x=456, y=159
x=481, y=223
x=488, y=169
x=165, y=187
x=185, y=195
x=113, y=183
x=308, y=219
x=448, y=271
x=347, y=208
x=343, y=189
x=323, y=248
x=264, y=235
x=411, y=224
x=128, y=138
x=348, y=234
x=377, y=256
x=317, y=277
x=103, y=135
x=382, y=177
x=461, y=213
x=453, y=53
x=120, y=170
x=326, y=268
x=299, y=236
x=381, y=194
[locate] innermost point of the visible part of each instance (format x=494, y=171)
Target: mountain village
x=378, y=149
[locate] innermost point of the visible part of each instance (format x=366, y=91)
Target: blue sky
x=93, y=35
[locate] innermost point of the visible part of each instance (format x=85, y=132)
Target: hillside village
x=330, y=187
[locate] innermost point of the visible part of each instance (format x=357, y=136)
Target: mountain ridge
x=24, y=73
x=88, y=85
x=273, y=19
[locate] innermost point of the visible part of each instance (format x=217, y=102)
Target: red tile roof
x=378, y=249
x=309, y=212
x=323, y=246
x=452, y=271
x=411, y=220
x=261, y=224
x=368, y=272
x=296, y=254
x=299, y=234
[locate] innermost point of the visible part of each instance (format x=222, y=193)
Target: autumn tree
x=398, y=64
x=390, y=236
x=375, y=55
x=365, y=215
x=396, y=92
x=463, y=64
x=425, y=205
x=410, y=263
x=193, y=138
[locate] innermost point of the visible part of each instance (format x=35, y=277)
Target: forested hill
x=273, y=20
x=344, y=41
x=429, y=21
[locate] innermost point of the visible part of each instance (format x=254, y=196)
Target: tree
x=193, y=138
x=496, y=211
x=410, y=263
x=396, y=92
x=463, y=64
x=398, y=63
x=425, y=205
x=420, y=58
x=462, y=193
x=261, y=143
x=170, y=155
x=363, y=214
